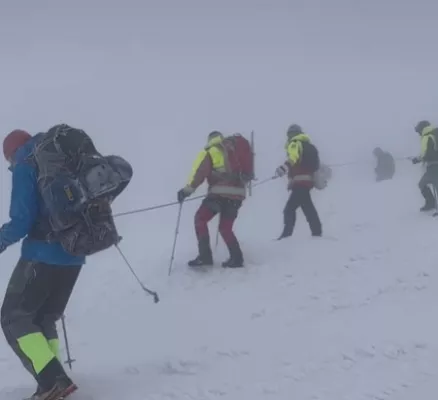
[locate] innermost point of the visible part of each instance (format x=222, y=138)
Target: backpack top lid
x=73, y=142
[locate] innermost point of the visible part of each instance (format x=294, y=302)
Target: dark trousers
x=228, y=210
x=300, y=197
x=430, y=177
x=36, y=297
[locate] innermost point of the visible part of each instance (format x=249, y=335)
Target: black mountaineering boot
x=39, y=391
x=430, y=199
x=427, y=207
x=53, y=383
x=288, y=228
x=236, y=257
x=233, y=263
x=63, y=388
x=200, y=262
x=205, y=256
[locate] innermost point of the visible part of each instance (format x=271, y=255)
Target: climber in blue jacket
x=43, y=279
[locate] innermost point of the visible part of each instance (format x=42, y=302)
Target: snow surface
x=348, y=316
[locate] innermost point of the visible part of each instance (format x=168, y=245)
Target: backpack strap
x=228, y=141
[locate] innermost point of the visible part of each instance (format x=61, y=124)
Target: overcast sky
x=146, y=76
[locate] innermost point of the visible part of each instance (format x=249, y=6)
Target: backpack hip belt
x=227, y=190
x=301, y=178
x=230, y=177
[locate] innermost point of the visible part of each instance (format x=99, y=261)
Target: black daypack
x=310, y=157
x=77, y=185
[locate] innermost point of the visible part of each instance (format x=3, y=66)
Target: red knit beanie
x=13, y=141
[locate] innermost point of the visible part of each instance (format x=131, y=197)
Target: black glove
x=416, y=160
x=182, y=194
x=280, y=171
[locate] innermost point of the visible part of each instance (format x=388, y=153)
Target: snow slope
x=348, y=316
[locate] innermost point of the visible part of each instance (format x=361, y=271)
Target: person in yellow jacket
x=429, y=156
x=225, y=197
x=301, y=164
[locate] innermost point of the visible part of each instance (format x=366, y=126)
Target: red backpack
x=238, y=156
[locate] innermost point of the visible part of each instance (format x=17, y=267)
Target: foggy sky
x=146, y=76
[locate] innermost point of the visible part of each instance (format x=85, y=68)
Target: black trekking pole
x=178, y=221
x=70, y=360
x=262, y=182
x=145, y=289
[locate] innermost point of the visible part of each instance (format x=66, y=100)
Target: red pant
x=228, y=210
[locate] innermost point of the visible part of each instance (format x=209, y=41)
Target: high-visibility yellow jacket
x=429, y=149
x=209, y=166
x=298, y=174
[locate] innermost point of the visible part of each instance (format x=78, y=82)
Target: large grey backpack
x=77, y=185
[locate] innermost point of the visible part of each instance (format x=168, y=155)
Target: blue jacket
x=26, y=207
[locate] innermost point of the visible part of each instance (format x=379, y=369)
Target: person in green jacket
x=429, y=156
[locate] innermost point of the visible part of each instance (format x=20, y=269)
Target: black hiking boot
x=205, y=256
x=53, y=383
x=236, y=257
x=200, y=262
x=288, y=230
x=233, y=263
x=62, y=388
x=38, y=392
x=429, y=198
x=427, y=207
